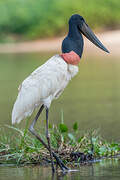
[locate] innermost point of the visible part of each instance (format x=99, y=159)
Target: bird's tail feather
x=19, y=113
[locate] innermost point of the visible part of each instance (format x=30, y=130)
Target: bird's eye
x=81, y=19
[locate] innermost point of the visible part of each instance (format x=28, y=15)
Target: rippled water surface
x=105, y=169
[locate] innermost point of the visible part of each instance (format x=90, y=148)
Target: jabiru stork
x=48, y=81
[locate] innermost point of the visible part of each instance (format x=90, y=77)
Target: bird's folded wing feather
x=47, y=80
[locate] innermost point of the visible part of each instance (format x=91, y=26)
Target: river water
x=104, y=170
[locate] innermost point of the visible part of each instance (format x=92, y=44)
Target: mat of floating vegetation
x=18, y=147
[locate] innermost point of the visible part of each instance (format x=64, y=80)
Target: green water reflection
x=106, y=169
x=92, y=98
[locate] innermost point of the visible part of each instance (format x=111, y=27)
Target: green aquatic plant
x=20, y=148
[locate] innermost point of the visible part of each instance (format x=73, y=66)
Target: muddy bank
x=110, y=39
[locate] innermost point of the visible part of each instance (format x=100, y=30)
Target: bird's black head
x=74, y=40
x=76, y=20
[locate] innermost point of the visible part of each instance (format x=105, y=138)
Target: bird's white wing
x=43, y=85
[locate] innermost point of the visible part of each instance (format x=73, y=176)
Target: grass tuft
x=20, y=148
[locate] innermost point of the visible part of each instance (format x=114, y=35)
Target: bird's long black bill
x=87, y=32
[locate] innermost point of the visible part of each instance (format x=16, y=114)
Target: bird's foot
x=60, y=163
x=58, y=160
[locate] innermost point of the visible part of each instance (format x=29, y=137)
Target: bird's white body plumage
x=43, y=85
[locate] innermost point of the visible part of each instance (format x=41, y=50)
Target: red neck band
x=71, y=58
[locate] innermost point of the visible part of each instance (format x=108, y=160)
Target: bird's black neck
x=73, y=41
x=73, y=32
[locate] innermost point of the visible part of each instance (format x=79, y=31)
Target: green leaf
x=50, y=126
x=62, y=117
x=75, y=126
x=63, y=128
x=80, y=139
x=72, y=137
x=102, y=150
x=93, y=140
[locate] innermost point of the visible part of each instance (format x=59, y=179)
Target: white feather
x=43, y=85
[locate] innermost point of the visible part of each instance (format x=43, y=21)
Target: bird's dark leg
x=36, y=118
x=31, y=129
x=48, y=139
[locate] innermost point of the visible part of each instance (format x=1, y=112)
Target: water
x=105, y=169
x=92, y=99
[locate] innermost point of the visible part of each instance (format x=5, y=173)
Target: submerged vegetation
x=44, y=18
x=20, y=148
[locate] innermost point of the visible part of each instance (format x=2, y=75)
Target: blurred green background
x=29, y=19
